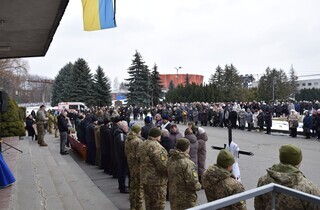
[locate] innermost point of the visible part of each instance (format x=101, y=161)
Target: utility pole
x=273, y=88
x=177, y=77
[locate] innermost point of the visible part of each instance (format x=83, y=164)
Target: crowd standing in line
x=151, y=155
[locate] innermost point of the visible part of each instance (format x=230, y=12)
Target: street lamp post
x=177, y=68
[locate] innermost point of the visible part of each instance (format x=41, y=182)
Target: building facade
x=180, y=79
x=308, y=82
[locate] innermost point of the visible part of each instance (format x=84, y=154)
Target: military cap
x=136, y=128
x=182, y=144
x=225, y=159
x=290, y=154
x=155, y=132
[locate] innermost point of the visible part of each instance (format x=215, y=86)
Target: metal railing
x=273, y=188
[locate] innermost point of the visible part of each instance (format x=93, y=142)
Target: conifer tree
x=82, y=90
x=11, y=124
x=63, y=85
x=232, y=83
x=171, y=85
x=187, y=80
x=217, y=80
x=138, y=82
x=293, y=82
x=102, y=89
x=155, y=86
x=273, y=85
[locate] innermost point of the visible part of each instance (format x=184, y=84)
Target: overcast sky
x=197, y=35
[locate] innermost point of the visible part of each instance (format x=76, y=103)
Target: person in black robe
x=233, y=116
x=29, y=126
x=91, y=143
x=268, y=120
x=114, y=166
x=83, y=129
x=105, y=137
x=120, y=135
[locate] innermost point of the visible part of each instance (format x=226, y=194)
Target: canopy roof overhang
x=27, y=27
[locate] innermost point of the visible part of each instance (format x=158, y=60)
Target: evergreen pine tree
x=273, y=85
x=232, y=83
x=63, y=85
x=11, y=124
x=82, y=90
x=171, y=86
x=138, y=82
x=155, y=86
x=187, y=80
x=217, y=79
x=102, y=89
x=293, y=82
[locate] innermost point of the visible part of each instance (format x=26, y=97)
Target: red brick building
x=180, y=79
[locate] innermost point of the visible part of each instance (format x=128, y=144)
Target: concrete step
x=48, y=180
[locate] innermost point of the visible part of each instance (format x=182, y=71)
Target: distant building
x=180, y=79
x=308, y=81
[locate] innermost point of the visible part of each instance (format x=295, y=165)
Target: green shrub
x=11, y=124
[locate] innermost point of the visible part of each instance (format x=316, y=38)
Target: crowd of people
x=161, y=163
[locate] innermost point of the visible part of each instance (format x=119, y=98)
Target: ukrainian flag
x=98, y=14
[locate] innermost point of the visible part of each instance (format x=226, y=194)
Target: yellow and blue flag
x=98, y=14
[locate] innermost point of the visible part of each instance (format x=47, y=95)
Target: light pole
x=273, y=89
x=177, y=68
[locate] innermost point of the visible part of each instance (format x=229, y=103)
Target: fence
x=273, y=188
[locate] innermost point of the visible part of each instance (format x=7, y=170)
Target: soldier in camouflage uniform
x=218, y=181
x=50, y=122
x=183, y=177
x=41, y=120
x=132, y=144
x=287, y=173
x=153, y=171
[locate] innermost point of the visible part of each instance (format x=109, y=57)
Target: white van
x=71, y=106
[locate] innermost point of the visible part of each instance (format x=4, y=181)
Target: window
x=73, y=107
x=298, y=85
x=303, y=84
x=309, y=84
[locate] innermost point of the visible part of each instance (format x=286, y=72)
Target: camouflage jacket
x=153, y=163
x=219, y=183
x=289, y=176
x=131, y=148
x=183, y=181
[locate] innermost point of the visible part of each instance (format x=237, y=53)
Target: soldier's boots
x=43, y=144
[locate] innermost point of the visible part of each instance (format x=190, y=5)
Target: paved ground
x=47, y=180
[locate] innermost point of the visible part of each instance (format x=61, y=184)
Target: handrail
x=273, y=188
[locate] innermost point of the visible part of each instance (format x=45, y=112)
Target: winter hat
x=290, y=154
x=155, y=132
x=147, y=119
x=182, y=144
x=136, y=128
x=200, y=130
x=165, y=117
x=225, y=159
x=117, y=119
